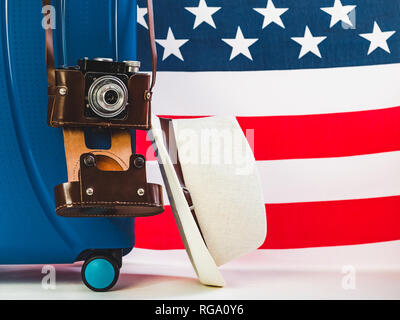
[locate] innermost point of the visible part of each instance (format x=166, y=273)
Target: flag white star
x=378, y=38
x=309, y=43
x=141, y=12
x=203, y=14
x=272, y=14
x=240, y=45
x=339, y=12
x=172, y=45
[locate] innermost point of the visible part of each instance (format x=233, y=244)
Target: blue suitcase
x=32, y=154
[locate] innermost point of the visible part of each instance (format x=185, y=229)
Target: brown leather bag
x=102, y=183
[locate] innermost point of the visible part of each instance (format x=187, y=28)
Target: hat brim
x=200, y=257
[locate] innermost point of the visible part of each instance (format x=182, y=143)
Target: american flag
x=316, y=80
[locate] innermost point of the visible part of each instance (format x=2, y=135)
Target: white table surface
x=314, y=273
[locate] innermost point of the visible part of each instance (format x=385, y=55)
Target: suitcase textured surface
x=31, y=153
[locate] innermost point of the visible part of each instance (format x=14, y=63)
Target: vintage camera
x=101, y=93
x=106, y=86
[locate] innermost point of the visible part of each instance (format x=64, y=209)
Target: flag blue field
x=272, y=33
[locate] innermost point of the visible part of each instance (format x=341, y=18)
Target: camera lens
x=111, y=97
x=108, y=96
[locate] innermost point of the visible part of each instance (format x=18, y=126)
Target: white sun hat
x=214, y=190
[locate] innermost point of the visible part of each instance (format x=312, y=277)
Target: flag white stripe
x=283, y=92
x=307, y=180
x=154, y=176
x=325, y=179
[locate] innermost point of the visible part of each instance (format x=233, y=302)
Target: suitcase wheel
x=100, y=273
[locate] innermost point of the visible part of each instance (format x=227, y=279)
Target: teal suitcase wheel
x=100, y=273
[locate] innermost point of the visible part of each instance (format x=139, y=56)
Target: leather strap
x=50, y=64
x=152, y=39
x=115, y=158
x=171, y=146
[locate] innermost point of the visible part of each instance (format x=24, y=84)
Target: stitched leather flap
x=109, y=193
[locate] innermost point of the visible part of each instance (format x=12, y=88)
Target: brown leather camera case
x=67, y=103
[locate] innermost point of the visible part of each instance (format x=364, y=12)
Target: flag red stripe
x=298, y=225
x=318, y=136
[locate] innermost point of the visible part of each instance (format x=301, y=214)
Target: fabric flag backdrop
x=316, y=81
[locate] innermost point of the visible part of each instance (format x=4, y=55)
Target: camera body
x=106, y=86
x=101, y=92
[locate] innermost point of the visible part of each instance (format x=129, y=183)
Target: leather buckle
x=188, y=197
